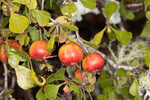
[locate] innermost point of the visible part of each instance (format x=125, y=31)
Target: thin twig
x=55, y=22
x=42, y=4
x=13, y=82
x=5, y=79
x=81, y=43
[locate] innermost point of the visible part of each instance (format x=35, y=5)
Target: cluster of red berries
x=69, y=54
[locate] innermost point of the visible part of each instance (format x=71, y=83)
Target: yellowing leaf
x=62, y=35
x=18, y=23
x=31, y=4
x=98, y=37
x=42, y=17
x=134, y=88
x=23, y=77
x=63, y=20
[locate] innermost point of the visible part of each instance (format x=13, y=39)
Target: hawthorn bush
x=74, y=49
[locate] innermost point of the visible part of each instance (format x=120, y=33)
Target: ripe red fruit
x=93, y=62
x=70, y=54
x=38, y=50
x=3, y=55
x=77, y=74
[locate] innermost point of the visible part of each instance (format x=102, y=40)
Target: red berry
x=77, y=74
x=93, y=62
x=38, y=50
x=3, y=55
x=70, y=54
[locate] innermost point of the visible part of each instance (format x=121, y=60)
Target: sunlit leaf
x=42, y=17
x=146, y=30
x=31, y=4
x=34, y=34
x=51, y=43
x=23, y=77
x=91, y=4
x=148, y=15
x=40, y=95
x=59, y=75
x=14, y=6
x=102, y=97
x=64, y=20
x=13, y=59
x=77, y=91
x=18, y=23
x=110, y=8
x=121, y=72
x=134, y=88
x=127, y=14
x=51, y=91
x=147, y=2
x=124, y=37
x=71, y=27
x=68, y=9
x=98, y=37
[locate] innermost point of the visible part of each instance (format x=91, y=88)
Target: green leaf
x=5, y=22
x=34, y=34
x=70, y=27
x=59, y=75
x=148, y=15
x=77, y=91
x=91, y=4
x=110, y=8
x=31, y=4
x=147, y=2
x=102, y=97
x=121, y=72
x=135, y=62
x=23, y=77
x=68, y=9
x=90, y=44
x=98, y=37
x=146, y=55
x=124, y=91
x=26, y=40
x=137, y=97
x=42, y=17
x=51, y=91
x=21, y=38
x=18, y=23
x=104, y=80
x=51, y=43
x=124, y=37
x=122, y=81
x=13, y=60
x=40, y=95
x=110, y=34
x=123, y=12
x=147, y=60
x=134, y=88
x=146, y=30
